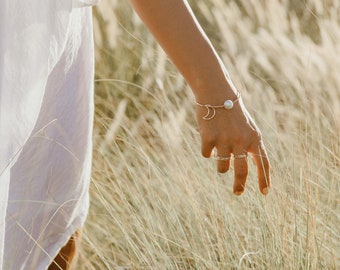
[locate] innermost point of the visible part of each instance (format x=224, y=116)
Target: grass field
x=157, y=204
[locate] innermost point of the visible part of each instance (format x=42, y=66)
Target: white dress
x=46, y=115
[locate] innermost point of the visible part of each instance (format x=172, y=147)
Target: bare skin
x=68, y=255
x=229, y=132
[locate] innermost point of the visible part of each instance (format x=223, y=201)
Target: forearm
x=228, y=131
x=177, y=31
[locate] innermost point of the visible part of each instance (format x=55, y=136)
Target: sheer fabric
x=46, y=115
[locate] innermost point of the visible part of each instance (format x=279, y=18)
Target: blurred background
x=156, y=203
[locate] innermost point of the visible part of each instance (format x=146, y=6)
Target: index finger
x=261, y=160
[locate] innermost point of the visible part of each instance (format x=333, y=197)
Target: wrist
x=216, y=95
x=211, y=109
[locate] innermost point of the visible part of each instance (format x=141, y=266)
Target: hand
x=229, y=132
x=234, y=132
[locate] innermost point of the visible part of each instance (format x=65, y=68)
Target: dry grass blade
x=156, y=204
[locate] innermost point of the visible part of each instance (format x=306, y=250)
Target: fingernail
x=265, y=191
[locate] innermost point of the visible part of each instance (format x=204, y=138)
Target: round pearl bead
x=228, y=104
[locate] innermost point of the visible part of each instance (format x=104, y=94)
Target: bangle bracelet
x=211, y=109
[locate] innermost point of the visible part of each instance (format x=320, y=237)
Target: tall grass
x=157, y=204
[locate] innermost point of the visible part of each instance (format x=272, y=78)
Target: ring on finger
x=222, y=158
x=244, y=155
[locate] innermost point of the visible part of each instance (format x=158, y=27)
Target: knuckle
x=208, y=138
x=257, y=134
x=239, y=140
x=255, y=137
x=224, y=137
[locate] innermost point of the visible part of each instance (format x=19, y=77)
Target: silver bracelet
x=211, y=109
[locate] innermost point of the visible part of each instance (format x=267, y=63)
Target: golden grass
x=157, y=204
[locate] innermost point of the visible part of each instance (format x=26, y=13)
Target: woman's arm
x=230, y=131
x=174, y=26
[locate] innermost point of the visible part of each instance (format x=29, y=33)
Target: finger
x=207, y=148
x=261, y=160
x=240, y=173
x=223, y=161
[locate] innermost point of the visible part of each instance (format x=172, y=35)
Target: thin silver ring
x=244, y=155
x=220, y=158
